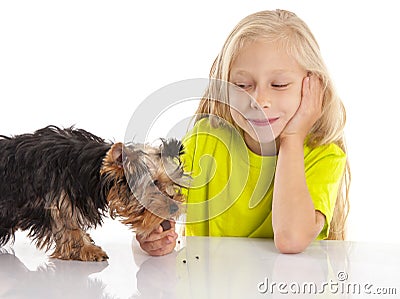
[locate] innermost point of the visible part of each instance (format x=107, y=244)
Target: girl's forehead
x=270, y=56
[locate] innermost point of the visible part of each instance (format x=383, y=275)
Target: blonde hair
x=294, y=36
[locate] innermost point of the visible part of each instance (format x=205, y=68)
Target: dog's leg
x=72, y=242
x=76, y=244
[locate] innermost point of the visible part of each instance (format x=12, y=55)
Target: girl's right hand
x=309, y=110
x=159, y=242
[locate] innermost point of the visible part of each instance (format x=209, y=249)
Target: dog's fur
x=56, y=183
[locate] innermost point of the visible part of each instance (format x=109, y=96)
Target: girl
x=267, y=150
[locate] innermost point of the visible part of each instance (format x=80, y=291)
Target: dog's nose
x=173, y=208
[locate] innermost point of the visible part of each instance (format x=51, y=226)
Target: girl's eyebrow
x=282, y=71
x=273, y=72
x=241, y=72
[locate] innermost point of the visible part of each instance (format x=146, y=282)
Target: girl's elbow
x=290, y=243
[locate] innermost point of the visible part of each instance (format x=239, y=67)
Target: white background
x=90, y=63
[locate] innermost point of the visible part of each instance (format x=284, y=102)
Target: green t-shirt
x=232, y=187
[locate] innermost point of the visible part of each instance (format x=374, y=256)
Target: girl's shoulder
x=206, y=123
x=205, y=129
x=325, y=149
x=205, y=137
x=328, y=156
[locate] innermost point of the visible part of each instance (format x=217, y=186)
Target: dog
x=57, y=183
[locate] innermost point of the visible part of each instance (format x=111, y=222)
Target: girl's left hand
x=159, y=242
x=309, y=111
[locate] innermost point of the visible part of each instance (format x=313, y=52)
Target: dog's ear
x=134, y=164
x=116, y=153
x=171, y=148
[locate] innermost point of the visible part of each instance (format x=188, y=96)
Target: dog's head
x=147, y=183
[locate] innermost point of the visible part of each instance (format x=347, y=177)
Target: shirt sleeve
x=324, y=168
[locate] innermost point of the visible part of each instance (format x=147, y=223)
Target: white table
x=204, y=267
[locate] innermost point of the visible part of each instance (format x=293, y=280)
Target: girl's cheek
x=239, y=120
x=288, y=106
x=239, y=102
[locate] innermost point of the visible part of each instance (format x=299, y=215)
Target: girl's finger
x=165, y=244
x=158, y=234
x=316, y=89
x=162, y=251
x=306, y=87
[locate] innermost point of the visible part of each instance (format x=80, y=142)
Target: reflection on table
x=204, y=267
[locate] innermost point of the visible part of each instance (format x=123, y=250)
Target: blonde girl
x=274, y=131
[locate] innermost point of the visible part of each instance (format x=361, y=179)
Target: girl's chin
x=262, y=137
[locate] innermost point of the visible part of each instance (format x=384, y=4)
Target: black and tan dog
x=57, y=183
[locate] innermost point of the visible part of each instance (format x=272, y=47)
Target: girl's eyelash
x=280, y=85
x=275, y=85
x=242, y=85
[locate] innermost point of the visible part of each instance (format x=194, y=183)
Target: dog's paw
x=93, y=253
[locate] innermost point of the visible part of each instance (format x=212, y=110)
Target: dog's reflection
x=54, y=279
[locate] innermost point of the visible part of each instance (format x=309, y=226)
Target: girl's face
x=265, y=91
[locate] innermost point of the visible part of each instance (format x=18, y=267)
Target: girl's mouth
x=263, y=122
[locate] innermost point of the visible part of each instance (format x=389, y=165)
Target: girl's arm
x=294, y=219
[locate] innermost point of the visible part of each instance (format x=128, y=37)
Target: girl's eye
x=280, y=85
x=243, y=85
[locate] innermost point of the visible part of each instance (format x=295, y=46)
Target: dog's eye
x=170, y=190
x=155, y=182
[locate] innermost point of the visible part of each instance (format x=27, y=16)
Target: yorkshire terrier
x=57, y=183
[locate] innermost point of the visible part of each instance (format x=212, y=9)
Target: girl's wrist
x=291, y=140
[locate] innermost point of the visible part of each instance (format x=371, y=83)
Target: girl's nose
x=260, y=100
